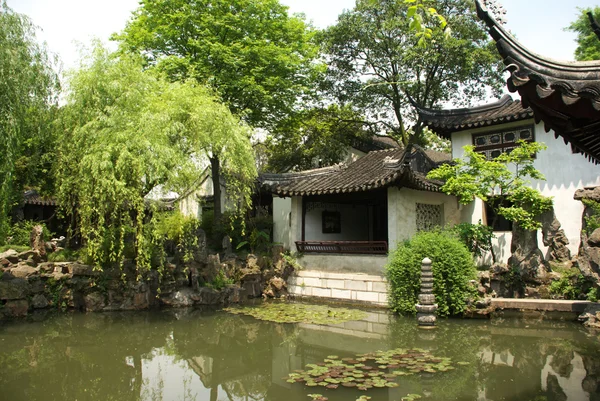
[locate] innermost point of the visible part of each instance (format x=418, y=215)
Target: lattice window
x=429, y=216
x=494, y=144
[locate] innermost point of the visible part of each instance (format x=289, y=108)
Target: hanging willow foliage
x=128, y=133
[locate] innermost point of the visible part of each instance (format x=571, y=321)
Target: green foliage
x=172, y=232
x=127, y=132
x=220, y=281
x=259, y=59
x=375, y=59
x=573, y=285
x=588, y=45
x=291, y=259
x=453, y=267
x=592, y=221
x=20, y=233
x=315, y=137
x=64, y=255
x=477, y=237
x=18, y=248
x=505, y=177
x=291, y=312
x=28, y=86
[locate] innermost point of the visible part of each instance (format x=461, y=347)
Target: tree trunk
x=215, y=165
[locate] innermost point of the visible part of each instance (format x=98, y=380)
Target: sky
x=538, y=24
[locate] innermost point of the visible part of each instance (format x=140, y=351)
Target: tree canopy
x=28, y=88
x=127, y=132
x=588, y=44
x=375, y=60
x=315, y=137
x=503, y=182
x=257, y=58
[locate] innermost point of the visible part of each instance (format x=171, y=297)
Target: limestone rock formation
x=526, y=257
x=588, y=257
x=554, y=237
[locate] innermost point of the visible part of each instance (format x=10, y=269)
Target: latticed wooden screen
x=429, y=216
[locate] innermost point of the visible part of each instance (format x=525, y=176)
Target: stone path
x=548, y=305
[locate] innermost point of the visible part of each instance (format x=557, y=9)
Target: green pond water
x=213, y=355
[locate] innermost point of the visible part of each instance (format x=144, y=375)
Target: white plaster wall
x=282, y=210
x=296, y=224
x=565, y=172
x=402, y=211
x=190, y=206
x=354, y=224
x=353, y=155
x=369, y=264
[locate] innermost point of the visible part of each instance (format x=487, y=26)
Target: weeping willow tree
x=28, y=87
x=127, y=132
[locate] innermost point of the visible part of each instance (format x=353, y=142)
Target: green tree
x=258, y=59
x=315, y=137
x=28, y=88
x=588, y=44
x=502, y=182
x=126, y=133
x=375, y=59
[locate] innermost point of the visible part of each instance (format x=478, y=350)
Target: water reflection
x=209, y=355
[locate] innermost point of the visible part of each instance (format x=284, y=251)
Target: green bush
x=592, y=222
x=20, y=233
x=477, y=237
x=453, y=267
x=573, y=285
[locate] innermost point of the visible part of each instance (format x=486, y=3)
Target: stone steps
x=346, y=287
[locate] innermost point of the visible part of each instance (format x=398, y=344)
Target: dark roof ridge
x=518, y=58
x=498, y=32
x=305, y=173
x=503, y=101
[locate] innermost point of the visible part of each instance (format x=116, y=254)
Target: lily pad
x=287, y=312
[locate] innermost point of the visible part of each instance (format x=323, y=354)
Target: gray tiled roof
x=565, y=95
x=444, y=122
x=375, y=170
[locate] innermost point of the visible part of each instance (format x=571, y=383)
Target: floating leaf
x=287, y=312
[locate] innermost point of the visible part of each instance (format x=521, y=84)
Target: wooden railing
x=356, y=247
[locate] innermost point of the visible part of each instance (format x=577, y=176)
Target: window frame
x=503, y=146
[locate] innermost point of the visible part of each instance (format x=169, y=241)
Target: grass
x=18, y=248
x=64, y=255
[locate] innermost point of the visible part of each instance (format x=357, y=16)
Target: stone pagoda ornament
x=426, y=307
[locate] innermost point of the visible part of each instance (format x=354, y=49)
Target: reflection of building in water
x=491, y=357
x=572, y=383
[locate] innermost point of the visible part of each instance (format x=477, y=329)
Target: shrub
x=592, y=221
x=20, y=233
x=477, y=237
x=174, y=232
x=453, y=267
x=573, y=285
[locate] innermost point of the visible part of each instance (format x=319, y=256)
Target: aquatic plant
x=286, y=312
x=372, y=370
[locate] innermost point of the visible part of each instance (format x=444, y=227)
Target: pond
x=213, y=355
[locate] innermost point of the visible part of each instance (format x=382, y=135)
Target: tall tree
x=28, y=87
x=258, y=59
x=315, y=137
x=126, y=132
x=375, y=60
x=588, y=44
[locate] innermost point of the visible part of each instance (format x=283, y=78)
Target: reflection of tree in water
x=227, y=351
x=77, y=357
x=99, y=357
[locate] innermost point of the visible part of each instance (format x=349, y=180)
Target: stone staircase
x=346, y=287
